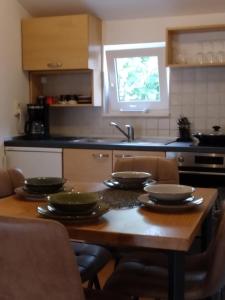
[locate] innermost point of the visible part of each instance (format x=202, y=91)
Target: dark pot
x=216, y=138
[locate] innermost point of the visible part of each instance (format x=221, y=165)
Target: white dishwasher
x=35, y=162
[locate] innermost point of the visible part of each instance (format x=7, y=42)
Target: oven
x=200, y=169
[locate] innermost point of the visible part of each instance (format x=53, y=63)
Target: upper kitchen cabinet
x=62, y=42
x=196, y=46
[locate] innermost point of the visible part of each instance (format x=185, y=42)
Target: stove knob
x=180, y=159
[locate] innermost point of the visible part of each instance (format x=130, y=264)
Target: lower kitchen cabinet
x=95, y=165
x=87, y=165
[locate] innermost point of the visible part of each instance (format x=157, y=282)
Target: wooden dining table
x=136, y=227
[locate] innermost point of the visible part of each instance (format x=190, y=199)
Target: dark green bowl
x=74, y=201
x=44, y=185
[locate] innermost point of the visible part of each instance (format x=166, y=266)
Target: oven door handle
x=201, y=173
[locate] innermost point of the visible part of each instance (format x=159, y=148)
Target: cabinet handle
x=123, y=155
x=54, y=65
x=100, y=156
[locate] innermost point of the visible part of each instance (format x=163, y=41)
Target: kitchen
x=195, y=92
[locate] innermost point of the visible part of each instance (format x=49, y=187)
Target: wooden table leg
x=176, y=275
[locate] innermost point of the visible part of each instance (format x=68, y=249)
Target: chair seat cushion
x=146, y=275
x=90, y=259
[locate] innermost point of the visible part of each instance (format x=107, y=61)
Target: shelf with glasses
x=199, y=46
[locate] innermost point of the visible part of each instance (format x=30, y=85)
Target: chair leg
x=94, y=282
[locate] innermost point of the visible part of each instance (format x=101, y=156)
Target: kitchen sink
x=148, y=141
x=97, y=140
x=155, y=141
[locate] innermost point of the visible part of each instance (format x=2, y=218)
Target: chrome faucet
x=130, y=131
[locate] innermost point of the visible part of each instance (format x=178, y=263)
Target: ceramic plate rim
x=147, y=202
x=113, y=183
x=19, y=191
x=44, y=212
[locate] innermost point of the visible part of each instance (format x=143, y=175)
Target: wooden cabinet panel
x=87, y=165
x=62, y=42
x=95, y=165
x=130, y=153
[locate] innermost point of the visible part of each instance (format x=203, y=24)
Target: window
x=135, y=80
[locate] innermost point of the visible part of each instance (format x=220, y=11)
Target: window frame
x=111, y=108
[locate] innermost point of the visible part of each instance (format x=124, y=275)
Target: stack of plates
x=44, y=185
x=73, y=206
x=170, y=197
x=38, y=188
x=129, y=180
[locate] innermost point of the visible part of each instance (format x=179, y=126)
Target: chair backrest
x=215, y=254
x=37, y=261
x=9, y=180
x=163, y=170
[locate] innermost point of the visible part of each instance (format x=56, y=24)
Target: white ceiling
x=123, y=9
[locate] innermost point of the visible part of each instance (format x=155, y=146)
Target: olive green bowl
x=74, y=201
x=44, y=185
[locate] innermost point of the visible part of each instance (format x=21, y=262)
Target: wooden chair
x=91, y=258
x=163, y=170
x=42, y=265
x=146, y=275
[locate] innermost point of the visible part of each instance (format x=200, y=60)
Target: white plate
x=169, y=192
x=189, y=203
x=112, y=183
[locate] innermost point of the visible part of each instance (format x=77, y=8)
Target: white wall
x=151, y=29
x=13, y=81
x=199, y=93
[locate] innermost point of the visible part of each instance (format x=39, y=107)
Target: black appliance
x=37, y=124
x=200, y=169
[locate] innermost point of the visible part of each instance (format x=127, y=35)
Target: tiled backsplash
x=197, y=93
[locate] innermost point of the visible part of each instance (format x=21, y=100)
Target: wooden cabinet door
x=60, y=42
x=130, y=153
x=87, y=165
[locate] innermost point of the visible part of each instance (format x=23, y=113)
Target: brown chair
x=146, y=275
x=42, y=265
x=163, y=170
x=90, y=258
x=9, y=180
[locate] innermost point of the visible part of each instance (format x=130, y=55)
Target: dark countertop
x=113, y=144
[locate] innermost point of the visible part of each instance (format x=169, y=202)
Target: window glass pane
x=137, y=79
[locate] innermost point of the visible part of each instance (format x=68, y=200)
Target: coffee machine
x=37, y=124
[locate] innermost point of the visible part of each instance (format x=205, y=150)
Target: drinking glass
x=219, y=51
x=200, y=55
x=181, y=55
